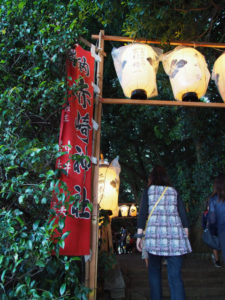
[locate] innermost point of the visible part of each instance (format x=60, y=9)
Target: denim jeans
x=222, y=244
x=174, y=264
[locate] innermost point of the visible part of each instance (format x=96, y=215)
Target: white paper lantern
x=188, y=73
x=218, y=74
x=136, y=66
x=124, y=210
x=108, y=186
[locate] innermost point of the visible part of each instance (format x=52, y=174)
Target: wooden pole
x=162, y=103
x=172, y=43
x=95, y=213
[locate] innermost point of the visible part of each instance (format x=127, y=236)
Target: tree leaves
x=35, y=38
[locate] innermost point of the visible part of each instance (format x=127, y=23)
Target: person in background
x=128, y=245
x=123, y=234
x=216, y=216
x=166, y=234
x=132, y=243
x=215, y=254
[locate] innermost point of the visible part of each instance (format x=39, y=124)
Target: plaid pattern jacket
x=164, y=234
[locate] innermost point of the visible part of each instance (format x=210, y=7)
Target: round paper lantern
x=108, y=186
x=188, y=73
x=133, y=211
x=136, y=66
x=218, y=74
x=124, y=210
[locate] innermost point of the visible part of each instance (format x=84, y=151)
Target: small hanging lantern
x=133, y=211
x=188, y=72
x=124, y=210
x=218, y=74
x=136, y=67
x=108, y=185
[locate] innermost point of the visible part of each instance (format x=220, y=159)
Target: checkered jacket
x=164, y=234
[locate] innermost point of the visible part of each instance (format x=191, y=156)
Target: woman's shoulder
x=213, y=198
x=160, y=188
x=172, y=190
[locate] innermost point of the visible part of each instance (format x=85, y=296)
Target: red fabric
x=76, y=138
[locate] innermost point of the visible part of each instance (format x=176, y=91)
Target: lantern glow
x=188, y=73
x=136, y=66
x=124, y=210
x=133, y=211
x=218, y=74
x=108, y=186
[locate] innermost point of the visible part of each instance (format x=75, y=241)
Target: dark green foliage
x=28, y=269
x=35, y=39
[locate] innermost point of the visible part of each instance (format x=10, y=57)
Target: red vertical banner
x=76, y=140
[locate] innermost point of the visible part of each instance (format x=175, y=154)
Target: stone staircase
x=202, y=280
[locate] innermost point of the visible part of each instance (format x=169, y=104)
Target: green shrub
x=28, y=270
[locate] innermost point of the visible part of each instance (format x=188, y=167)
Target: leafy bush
x=35, y=39
x=28, y=270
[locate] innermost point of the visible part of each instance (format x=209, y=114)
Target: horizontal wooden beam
x=172, y=43
x=162, y=103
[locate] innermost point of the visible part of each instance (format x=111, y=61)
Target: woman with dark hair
x=163, y=218
x=216, y=215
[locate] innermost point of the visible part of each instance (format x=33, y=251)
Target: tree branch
x=209, y=30
x=211, y=3
x=192, y=9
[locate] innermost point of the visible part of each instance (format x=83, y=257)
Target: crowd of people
x=124, y=242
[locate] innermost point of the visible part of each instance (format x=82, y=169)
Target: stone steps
x=202, y=280
x=216, y=282
x=191, y=293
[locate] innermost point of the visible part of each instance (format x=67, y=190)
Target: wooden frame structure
x=99, y=100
